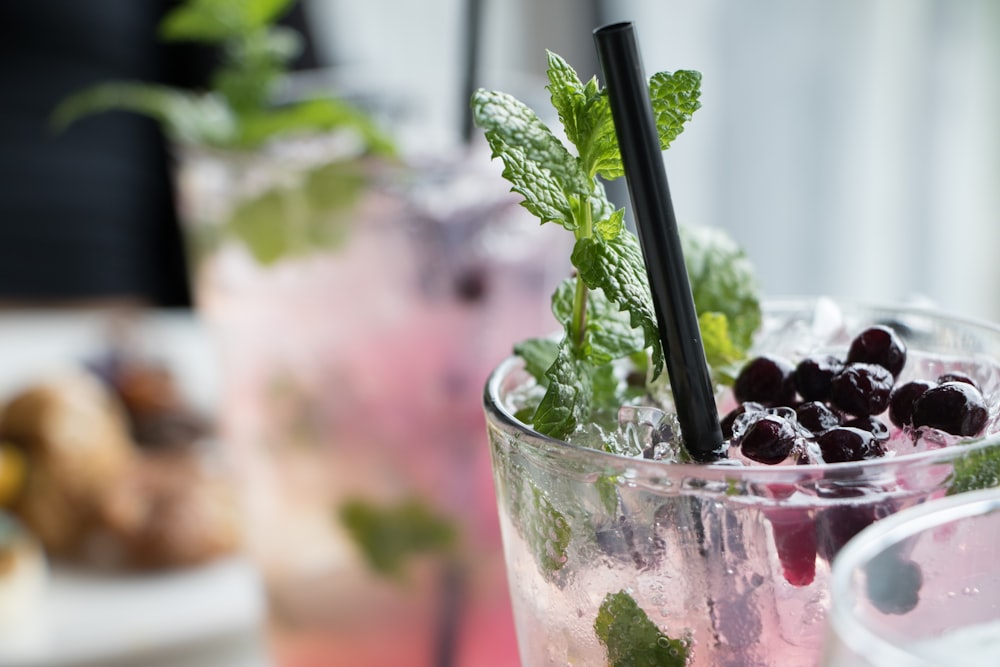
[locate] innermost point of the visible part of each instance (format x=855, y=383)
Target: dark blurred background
x=88, y=215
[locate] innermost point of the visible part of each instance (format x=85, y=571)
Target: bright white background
x=852, y=147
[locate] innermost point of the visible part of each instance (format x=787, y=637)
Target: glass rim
x=875, y=539
x=639, y=470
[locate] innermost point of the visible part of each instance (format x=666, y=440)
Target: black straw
x=470, y=65
x=653, y=210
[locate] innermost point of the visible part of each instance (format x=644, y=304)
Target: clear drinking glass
x=715, y=565
x=920, y=589
x=356, y=304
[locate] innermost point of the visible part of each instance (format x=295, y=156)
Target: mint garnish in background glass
x=605, y=308
x=239, y=110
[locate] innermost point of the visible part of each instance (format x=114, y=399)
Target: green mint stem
x=579, y=324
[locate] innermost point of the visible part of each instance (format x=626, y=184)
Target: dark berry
x=836, y=525
x=861, y=389
x=901, y=401
x=795, y=541
x=844, y=443
x=816, y=417
x=769, y=439
x=813, y=376
x=954, y=407
x=726, y=423
x=873, y=425
x=958, y=376
x=766, y=379
x=893, y=582
x=879, y=345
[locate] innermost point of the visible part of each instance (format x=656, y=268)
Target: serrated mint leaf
x=979, y=469
x=617, y=268
x=390, y=535
x=538, y=354
x=601, y=151
x=674, y=98
x=568, y=95
x=722, y=280
x=567, y=398
x=607, y=490
x=544, y=529
x=631, y=639
x=610, y=335
x=612, y=225
x=547, y=533
x=513, y=123
x=543, y=194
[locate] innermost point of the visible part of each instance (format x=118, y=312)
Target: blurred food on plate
x=108, y=465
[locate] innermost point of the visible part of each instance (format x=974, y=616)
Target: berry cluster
x=827, y=409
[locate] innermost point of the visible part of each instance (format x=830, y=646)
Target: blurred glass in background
x=851, y=147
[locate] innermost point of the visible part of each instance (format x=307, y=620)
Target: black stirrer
x=653, y=210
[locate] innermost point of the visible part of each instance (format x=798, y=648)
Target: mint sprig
x=239, y=109
x=976, y=470
x=632, y=639
x=388, y=536
x=562, y=187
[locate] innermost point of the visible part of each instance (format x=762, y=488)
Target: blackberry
x=901, y=401
x=954, y=407
x=769, y=439
x=817, y=417
x=768, y=380
x=845, y=443
x=861, y=389
x=879, y=345
x=814, y=374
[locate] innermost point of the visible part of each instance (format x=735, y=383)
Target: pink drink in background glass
x=731, y=562
x=920, y=589
x=350, y=371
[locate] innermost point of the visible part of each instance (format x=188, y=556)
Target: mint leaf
x=538, y=355
x=720, y=352
x=674, y=98
x=631, y=639
x=616, y=267
x=543, y=195
x=544, y=528
x=568, y=96
x=547, y=533
x=722, y=281
x=610, y=335
x=320, y=114
x=584, y=113
x=388, y=536
x=218, y=20
x=510, y=123
x=979, y=469
x=186, y=117
x=293, y=221
x=568, y=398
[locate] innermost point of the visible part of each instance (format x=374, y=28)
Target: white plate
x=211, y=615
x=90, y=619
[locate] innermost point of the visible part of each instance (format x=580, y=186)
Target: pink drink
x=717, y=565
x=920, y=589
x=348, y=369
